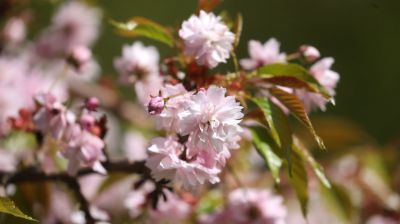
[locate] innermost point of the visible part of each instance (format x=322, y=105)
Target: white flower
x=212, y=120
x=321, y=70
x=260, y=54
x=207, y=39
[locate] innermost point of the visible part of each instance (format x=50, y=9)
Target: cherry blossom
x=321, y=70
x=207, y=39
x=263, y=54
x=167, y=161
x=250, y=206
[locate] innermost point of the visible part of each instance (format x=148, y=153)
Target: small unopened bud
x=92, y=104
x=156, y=105
x=87, y=121
x=310, y=53
x=79, y=56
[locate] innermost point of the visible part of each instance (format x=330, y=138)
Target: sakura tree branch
x=34, y=174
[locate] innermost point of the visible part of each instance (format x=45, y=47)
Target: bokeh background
x=362, y=35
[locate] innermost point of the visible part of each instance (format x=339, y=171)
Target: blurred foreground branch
x=35, y=174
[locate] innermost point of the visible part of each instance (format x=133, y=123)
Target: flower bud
x=79, y=56
x=156, y=105
x=92, y=103
x=310, y=53
x=87, y=121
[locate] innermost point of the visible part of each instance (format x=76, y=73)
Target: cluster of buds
x=80, y=139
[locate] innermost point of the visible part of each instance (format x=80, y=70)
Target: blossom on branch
x=207, y=39
x=263, y=54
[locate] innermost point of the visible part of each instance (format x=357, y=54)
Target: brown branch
x=34, y=174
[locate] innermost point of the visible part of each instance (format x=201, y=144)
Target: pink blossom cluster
x=250, y=206
x=269, y=53
x=79, y=138
x=204, y=127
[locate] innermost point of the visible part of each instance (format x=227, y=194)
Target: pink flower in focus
x=168, y=160
x=263, y=54
x=321, y=70
x=250, y=206
x=207, y=39
x=212, y=120
x=176, y=96
x=171, y=210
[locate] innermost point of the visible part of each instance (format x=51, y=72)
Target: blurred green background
x=362, y=35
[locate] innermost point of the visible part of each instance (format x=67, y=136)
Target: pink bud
x=156, y=105
x=92, y=103
x=87, y=121
x=79, y=56
x=310, y=53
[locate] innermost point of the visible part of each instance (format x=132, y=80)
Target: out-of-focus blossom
x=8, y=161
x=263, y=54
x=212, y=120
x=250, y=206
x=310, y=53
x=379, y=219
x=82, y=148
x=136, y=200
x=52, y=116
x=207, y=39
x=168, y=160
x=135, y=146
x=79, y=56
x=14, y=31
x=101, y=217
x=69, y=30
x=137, y=61
x=140, y=64
x=321, y=70
x=171, y=210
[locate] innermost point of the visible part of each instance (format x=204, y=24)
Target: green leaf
x=139, y=26
x=339, y=201
x=317, y=168
x=298, y=176
x=293, y=76
x=273, y=161
x=299, y=180
x=8, y=206
x=296, y=107
x=279, y=124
